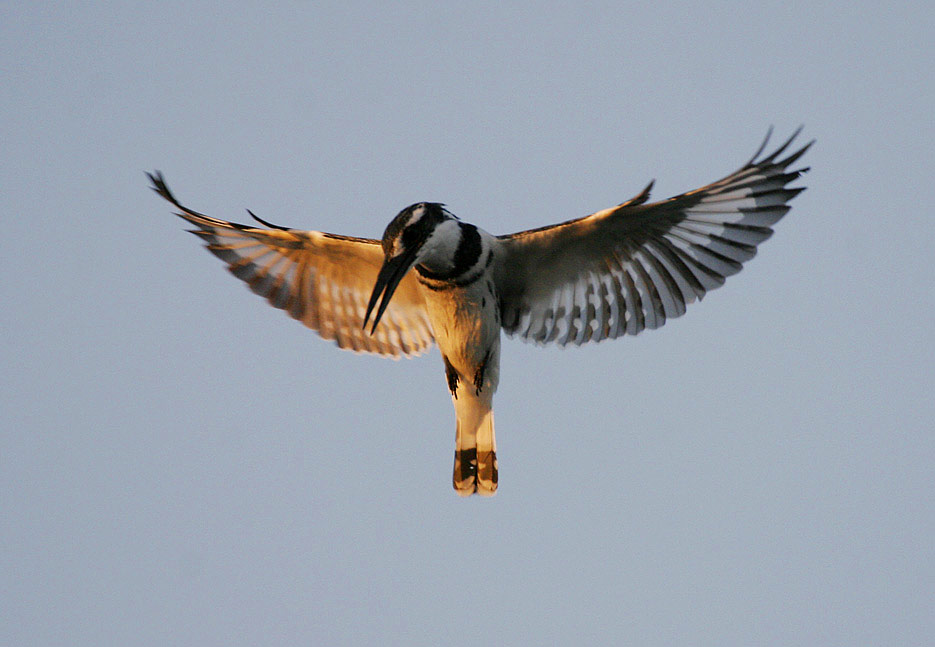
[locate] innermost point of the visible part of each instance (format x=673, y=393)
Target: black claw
x=453, y=378
x=479, y=374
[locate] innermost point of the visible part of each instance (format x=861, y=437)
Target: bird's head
x=411, y=237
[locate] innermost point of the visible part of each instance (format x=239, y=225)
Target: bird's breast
x=465, y=321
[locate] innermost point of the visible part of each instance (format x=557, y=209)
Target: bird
x=433, y=278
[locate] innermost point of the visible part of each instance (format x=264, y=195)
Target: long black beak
x=392, y=272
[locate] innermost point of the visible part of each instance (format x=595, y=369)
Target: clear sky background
x=181, y=464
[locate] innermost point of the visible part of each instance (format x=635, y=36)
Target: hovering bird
x=435, y=278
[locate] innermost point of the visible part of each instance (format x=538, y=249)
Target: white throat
x=438, y=252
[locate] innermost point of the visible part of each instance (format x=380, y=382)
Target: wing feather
x=322, y=280
x=636, y=265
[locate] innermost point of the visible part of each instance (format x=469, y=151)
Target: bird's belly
x=466, y=325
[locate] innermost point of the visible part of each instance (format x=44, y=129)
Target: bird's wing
x=323, y=280
x=631, y=267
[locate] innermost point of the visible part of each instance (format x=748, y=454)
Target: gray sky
x=182, y=464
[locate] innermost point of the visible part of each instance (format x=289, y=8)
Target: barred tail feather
x=475, y=467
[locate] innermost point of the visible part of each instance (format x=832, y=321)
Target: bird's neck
x=453, y=249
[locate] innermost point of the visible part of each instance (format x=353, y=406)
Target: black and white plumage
x=434, y=278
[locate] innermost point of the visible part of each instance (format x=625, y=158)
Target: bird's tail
x=475, y=469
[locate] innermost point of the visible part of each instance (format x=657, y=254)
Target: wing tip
x=779, y=151
x=160, y=187
x=762, y=146
x=162, y=190
x=782, y=147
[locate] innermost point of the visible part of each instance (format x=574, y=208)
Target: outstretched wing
x=631, y=267
x=323, y=280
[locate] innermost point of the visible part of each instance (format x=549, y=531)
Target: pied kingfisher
x=614, y=272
